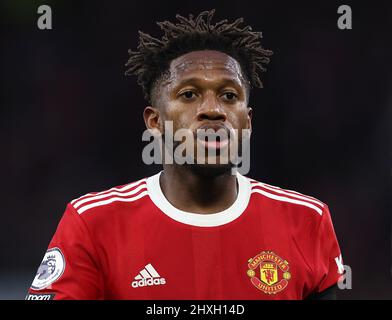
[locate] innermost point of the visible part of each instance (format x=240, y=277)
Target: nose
x=210, y=109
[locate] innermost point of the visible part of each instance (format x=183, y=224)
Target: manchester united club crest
x=268, y=272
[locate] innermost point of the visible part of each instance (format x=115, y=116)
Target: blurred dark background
x=71, y=123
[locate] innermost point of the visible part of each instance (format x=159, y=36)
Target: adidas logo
x=148, y=277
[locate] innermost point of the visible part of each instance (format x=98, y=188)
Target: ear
x=152, y=118
x=249, y=120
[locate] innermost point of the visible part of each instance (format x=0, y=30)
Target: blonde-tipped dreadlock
x=153, y=55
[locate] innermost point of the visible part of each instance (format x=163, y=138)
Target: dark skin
x=204, y=89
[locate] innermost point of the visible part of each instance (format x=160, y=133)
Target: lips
x=213, y=136
x=214, y=144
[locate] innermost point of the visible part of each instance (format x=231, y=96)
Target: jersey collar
x=195, y=219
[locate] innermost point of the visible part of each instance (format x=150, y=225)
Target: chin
x=211, y=170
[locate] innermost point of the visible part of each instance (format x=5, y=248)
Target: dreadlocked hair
x=153, y=56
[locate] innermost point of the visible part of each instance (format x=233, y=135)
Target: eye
x=188, y=95
x=230, y=96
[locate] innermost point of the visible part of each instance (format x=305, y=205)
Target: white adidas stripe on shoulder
x=284, y=195
x=105, y=195
x=289, y=191
x=252, y=181
x=110, y=200
x=285, y=199
x=127, y=193
x=124, y=188
x=291, y=194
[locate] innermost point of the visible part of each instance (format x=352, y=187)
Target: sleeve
x=328, y=259
x=70, y=268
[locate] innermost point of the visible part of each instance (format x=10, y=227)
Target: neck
x=198, y=190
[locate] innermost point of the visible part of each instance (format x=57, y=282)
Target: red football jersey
x=129, y=242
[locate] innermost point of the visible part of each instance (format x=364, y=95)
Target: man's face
x=204, y=90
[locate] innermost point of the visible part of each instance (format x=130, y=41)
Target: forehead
x=206, y=64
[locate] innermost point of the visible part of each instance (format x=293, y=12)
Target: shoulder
x=96, y=201
x=289, y=199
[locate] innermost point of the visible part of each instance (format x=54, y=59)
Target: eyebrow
x=221, y=82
